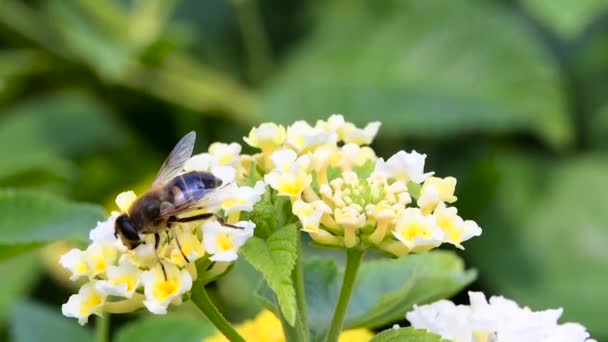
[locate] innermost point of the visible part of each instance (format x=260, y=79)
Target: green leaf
x=387, y=61
x=275, y=258
x=385, y=289
x=407, y=335
x=31, y=218
x=23, y=273
x=545, y=235
x=264, y=217
x=51, y=128
x=566, y=18
x=174, y=327
x=32, y=322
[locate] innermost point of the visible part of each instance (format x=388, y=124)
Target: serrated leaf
x=275, y=258
x=174, y=327
x=407, y=335
x=32, y=218
x=264, y=217
x=387, y=61
x=551, y=215
x=32, y=322
x=385, y=289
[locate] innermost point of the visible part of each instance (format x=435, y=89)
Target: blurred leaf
x=567, y=18
x=19, y=275
x=275, y=258
x=32, y=322
x=384, y=290
x=407, y=335
x=544, y=238
x=174, y=327
x=31, y=218
x=40, y=133
x=387, y=61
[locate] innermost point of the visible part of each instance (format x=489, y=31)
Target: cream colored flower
x=310, y=214
x=122, y=280
x=242, y=198
x=435, y=191
x=84, y=304
x=226, y=154
x=125, y=199
x=160, y=292
x=416, y=231
x=403, y=166
x=75, y=262
x=222, y=242
x=291, y=173
x=303, y=137
x=455, y=228
x=267, y=137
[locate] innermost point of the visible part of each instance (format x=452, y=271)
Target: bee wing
x=203, y=199
x=173, y=165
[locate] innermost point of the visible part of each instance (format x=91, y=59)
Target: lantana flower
x=123, y=280
x=496, y=320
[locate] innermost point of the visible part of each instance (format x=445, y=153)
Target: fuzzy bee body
x=172, y=194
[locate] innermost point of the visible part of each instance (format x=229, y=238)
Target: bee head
x=127, y=232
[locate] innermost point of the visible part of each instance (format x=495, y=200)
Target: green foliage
x=174, y=327
x=406, y=335
x=384, y=290
x=275, y=258
x=32, y=217
x=390, y=60
x=567, y=18
x=555, y=212
x=23, y=273
x=34, y=322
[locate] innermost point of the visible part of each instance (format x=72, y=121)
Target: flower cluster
x=499, y=320
x=123, y=280
x=345, y=196
x=266, y=327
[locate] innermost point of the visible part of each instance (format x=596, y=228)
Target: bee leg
x=204, y=217
x=156, y=243
x=179, y=246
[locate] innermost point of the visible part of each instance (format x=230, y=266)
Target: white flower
x=122, y=280
x=416, y=231
x=348, y=132
x=499, y=320
x=160, y=292
x=455, y=228
x=242, y=198
x=87, y=302
x=290, y=176
x=223, y=242
x=99, y=256
x=403, y=166
x=301, y=136
x=190, y=244
x=125, y=199
x=201, y=162
x=310, y=214
x=266, y=137
x=75, y=262
x=104, y=231
x=226, y=154
x=435, y=191
x=352, y=155
x=226, y=174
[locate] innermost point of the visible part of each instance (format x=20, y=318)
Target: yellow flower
x=267, y=137
x=160, y=292
x=436, y=190
x=87, y=302
x=266, y=327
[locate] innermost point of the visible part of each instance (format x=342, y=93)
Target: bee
x=172, y=195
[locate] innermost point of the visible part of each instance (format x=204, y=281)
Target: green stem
x=353, y=260
x=102, y=328
x=254, y=38
x=201, y=299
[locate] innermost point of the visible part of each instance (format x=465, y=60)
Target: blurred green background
x=511, y=97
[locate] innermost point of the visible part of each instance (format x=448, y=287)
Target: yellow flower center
x=91, y=302
x=293, y=187
x=100, y=265
x=225, y=159
x=224, y=243
x=127, y=280
x=165, y=289
x=82, y=267
x=449, y=226
x=482, y=336
x=414, y=230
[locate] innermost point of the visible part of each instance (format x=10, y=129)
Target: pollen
x=414, y=230
x=224, y=243
x=91, y=302
x=165, y=289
